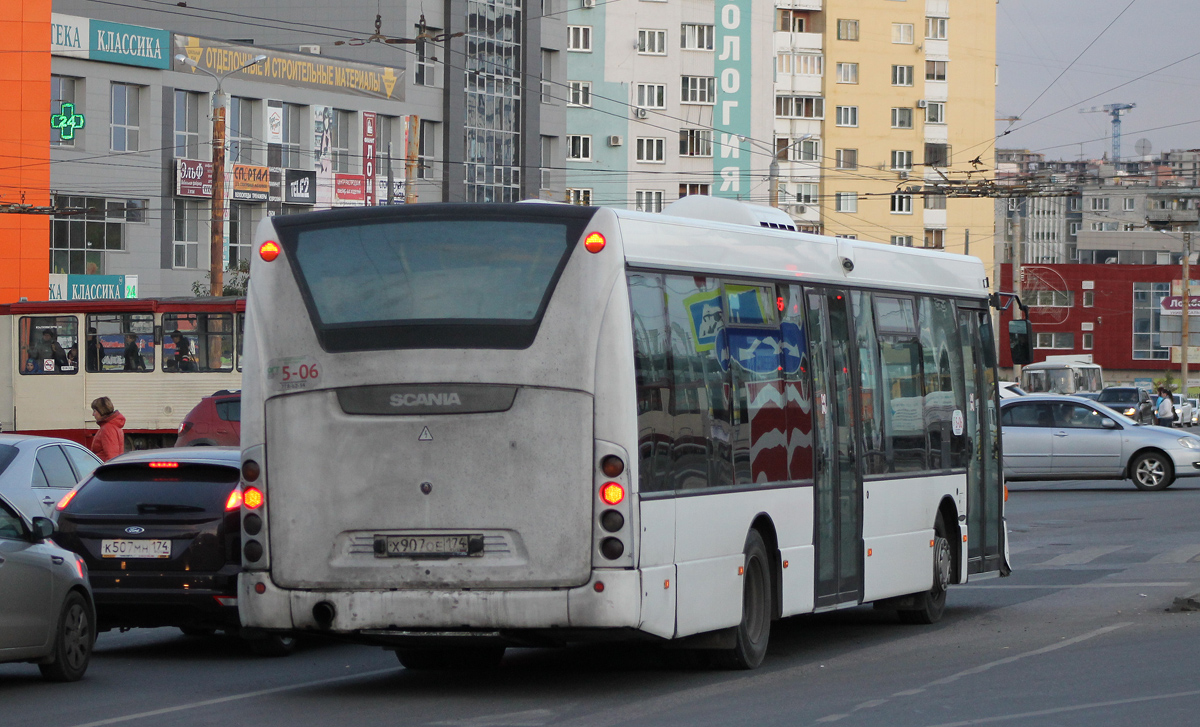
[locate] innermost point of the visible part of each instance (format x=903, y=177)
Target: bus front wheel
x=932, y=603
x=753, y=633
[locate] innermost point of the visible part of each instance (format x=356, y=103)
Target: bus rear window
x=461, y=278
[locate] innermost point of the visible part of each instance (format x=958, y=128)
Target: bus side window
x=875, y=453
x=651, y=357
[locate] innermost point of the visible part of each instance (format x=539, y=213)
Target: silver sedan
x=46, y=611
x=36, y=472
x=1065, y=437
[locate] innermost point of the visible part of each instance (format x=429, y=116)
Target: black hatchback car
x=1131, y=401
x=161, y=535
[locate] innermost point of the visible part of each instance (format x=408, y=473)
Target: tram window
x=119, y=342
x=48, y=345
x=241, y=334
x=197, y=342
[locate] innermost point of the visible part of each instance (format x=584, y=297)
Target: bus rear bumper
x=616, y=605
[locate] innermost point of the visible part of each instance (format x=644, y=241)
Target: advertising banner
x=732, y=114
x=274, y=122
x=193, y=178
x=251, y=184
x=397, y=190
x=349, y=190
x=368, y=129
x=299, y=186
x=323, y=153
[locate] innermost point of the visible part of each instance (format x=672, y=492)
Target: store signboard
x=299, y=186
x=92, y=287
x=368, y=151
x=193, y=178
x=69, y=36
x=349, y=190
x=251, y=184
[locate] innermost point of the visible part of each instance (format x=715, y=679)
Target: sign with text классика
x=131, y=45
x=193, y=178
x=300, y=186
x=91, y=287
x=251, y=184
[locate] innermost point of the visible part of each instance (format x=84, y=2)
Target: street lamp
x=1185, y=310
x=216, y=249
x=773, y=169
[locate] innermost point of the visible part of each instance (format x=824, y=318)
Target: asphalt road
x=1079, y=635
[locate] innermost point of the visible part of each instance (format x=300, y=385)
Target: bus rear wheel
x=931, y=604
x=472, y=659
x=754, y=632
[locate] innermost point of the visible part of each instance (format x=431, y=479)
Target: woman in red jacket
x=110, y=440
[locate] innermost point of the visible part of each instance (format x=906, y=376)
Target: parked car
x=1010, y=389
x=1183, y=411
x=161, y=534
x=1048, y=437
x=1130, y=401
x=46, y=611
x=35, y=472
x=215, y=422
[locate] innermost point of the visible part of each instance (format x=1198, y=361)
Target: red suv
x=215, y=422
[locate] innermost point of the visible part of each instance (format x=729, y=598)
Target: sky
x=1037, y=39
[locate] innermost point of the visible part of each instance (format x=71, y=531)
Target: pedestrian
x=110, y=440
x=1164, y=408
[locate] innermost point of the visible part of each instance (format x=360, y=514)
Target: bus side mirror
x=1020, y=342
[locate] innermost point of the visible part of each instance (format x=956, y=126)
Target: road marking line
x=1072, y=708
x=1086, y=555
x=869, y=705
x=236, y=697
x=836, y=717
x=1036, y=652
x=528, y=718
x=1179, y=555
x=1163, y=584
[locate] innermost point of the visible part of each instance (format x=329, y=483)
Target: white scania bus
x=466, y=427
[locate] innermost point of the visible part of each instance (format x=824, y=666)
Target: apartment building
x=863, y=105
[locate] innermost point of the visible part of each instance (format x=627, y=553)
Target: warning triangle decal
x=425, y=435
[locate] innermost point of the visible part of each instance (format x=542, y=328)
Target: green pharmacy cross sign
x=67, y=121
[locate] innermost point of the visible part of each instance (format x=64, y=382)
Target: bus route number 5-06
x=303, y=372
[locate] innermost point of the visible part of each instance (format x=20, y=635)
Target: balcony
x=787, y=42
x=1168, y=217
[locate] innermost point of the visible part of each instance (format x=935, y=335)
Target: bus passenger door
x=837, y=485
x=985, y=492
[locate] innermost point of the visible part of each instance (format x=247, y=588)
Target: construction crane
x=1115, y=110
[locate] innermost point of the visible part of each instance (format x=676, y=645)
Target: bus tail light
x=612, y=548
x=234, y=502
x=250, y=470
x=594, y=242
x=252, y=498
x=612, y=466
x=66, y=500
x=269, y=250
x=612, y=493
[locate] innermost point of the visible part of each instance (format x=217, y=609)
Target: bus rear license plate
x=425, y=546
x=130, y=549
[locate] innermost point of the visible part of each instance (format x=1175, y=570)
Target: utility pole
x=773, y=173
x=1184, y=341
x=413, y=126
x=391, y=195
x=1016, y=268
x=967, y=241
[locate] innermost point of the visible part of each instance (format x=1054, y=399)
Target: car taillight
x=234, y=502
x=252, y=498
x=612, y=493
x=66, y=500
x=185, y=427
x=163, y=465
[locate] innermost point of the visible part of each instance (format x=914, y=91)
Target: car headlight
x=1129, y=411
x=1190, y=442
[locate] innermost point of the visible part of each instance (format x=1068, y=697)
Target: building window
x=427, y=145
x=1055, y=340
x=1087, y=342
x=935, y=70
x=652, y=42
x=650, y=149
x=902, y=33
x=847, y=116
x=547, y=159
x=695, y=37
x=78, y=242
x=187, y=233
x=807, y=193
x=902, y=75
x=1147, y=302
x=902, y=118
x=698, y=89
x=652, y=95
x=935, y=112
x=579, y=38
x=937, y=155
x=187, y=125
x=902, y=204
x=847, y=73
x=1129, y=202
x=846, y=158
x=1104, y=227
x=290, y=148
x=241, y=130
x=847, y=29
x=935, y=239
x=1089, y=298
x=695, y=142
x=547, y=78
x=690, y=189
x=126, y=116
x=62, y=91
x=902, y=240
x=579, y=196
x=243, y=218
x=792, y=21
x=800, y=64
x=579, y=147
x=581, y=93
x=934, y=199
x=845, y=202
x=799, y=107
x=426, y=74
x=339, y=140
x=804, y=150
x=1050, y=298
x=648, y=200
x=935, y=28
x=1073, y=228
x=902, y=160
x=1074, y=204
x=1099, y=204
